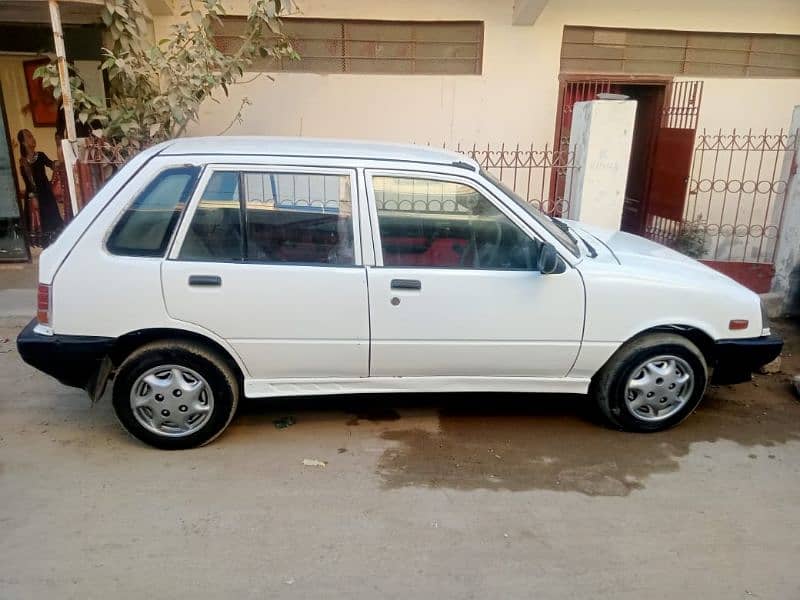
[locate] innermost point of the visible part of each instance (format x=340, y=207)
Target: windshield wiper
x=566, y=229
x=592, y=251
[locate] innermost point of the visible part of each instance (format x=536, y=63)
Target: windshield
x=556, y=228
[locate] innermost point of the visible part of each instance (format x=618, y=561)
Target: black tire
x=218, y=375
x=608, y=386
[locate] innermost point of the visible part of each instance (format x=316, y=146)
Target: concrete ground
x=18, y=289
x=446, y=496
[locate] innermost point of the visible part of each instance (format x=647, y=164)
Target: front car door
x=269, y=259
x=455, y=290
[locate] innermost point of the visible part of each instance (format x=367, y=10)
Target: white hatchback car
x=211, y=268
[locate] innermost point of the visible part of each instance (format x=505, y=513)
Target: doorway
x=649, y=107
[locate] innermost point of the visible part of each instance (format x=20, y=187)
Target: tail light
x=44, y=304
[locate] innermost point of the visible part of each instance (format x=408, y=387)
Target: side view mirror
x=549, y=261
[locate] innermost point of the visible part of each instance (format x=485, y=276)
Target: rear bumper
x=72, y=359
x=736, y=359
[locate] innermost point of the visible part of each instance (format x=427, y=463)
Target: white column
x=600, y=138
x=786, y=283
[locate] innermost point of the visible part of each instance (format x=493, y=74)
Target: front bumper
x=735, y=360
x=72, y=359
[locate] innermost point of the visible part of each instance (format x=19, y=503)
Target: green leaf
x=41, y=72
x=157, y=87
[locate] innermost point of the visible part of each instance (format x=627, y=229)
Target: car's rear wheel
x=175, y=395
x=651, y=383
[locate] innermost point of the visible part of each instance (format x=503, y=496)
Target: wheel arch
x=126, y=344
x=700, y=338
x=696, y=335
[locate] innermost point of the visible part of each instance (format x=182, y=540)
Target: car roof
x=313, y=147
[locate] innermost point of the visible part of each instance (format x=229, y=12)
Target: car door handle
x=205, y=280
x=406, y=284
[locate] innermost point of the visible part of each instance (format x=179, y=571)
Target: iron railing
x=539, y=176
x=736, y=195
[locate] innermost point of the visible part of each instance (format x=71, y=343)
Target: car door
x=269, y=259
x=455, y=290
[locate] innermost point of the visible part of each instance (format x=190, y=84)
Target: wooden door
x=672, y=158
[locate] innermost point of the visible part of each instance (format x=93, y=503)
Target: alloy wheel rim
x=659, y=388
x=171, y=400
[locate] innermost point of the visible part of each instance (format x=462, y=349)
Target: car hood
x=636, y=251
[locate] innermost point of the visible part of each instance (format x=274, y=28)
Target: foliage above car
x=156, y=87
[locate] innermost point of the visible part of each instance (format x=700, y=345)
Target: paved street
x=481, y=496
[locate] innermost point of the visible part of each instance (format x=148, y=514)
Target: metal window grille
x=639, y=51
x=365, y=46
x=683, y=108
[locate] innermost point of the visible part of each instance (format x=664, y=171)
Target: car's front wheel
x=651, y=383
x=175, y=395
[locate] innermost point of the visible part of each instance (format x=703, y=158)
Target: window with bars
x=661, y=52
x=379, y=47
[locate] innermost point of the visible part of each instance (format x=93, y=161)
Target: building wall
x=514, y=100
x=748, y=103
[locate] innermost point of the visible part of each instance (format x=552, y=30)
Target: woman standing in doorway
x=37, y=187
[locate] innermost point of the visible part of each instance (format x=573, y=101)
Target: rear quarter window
x=147, y=224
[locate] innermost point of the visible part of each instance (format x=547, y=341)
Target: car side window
x=215, y=232
x=273, y=217
x=432, y=223
x=147, y=224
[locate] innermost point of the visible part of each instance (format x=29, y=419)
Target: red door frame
x=615, y=79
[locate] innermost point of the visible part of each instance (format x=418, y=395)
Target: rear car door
x=269, y=259
x=456, y=291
